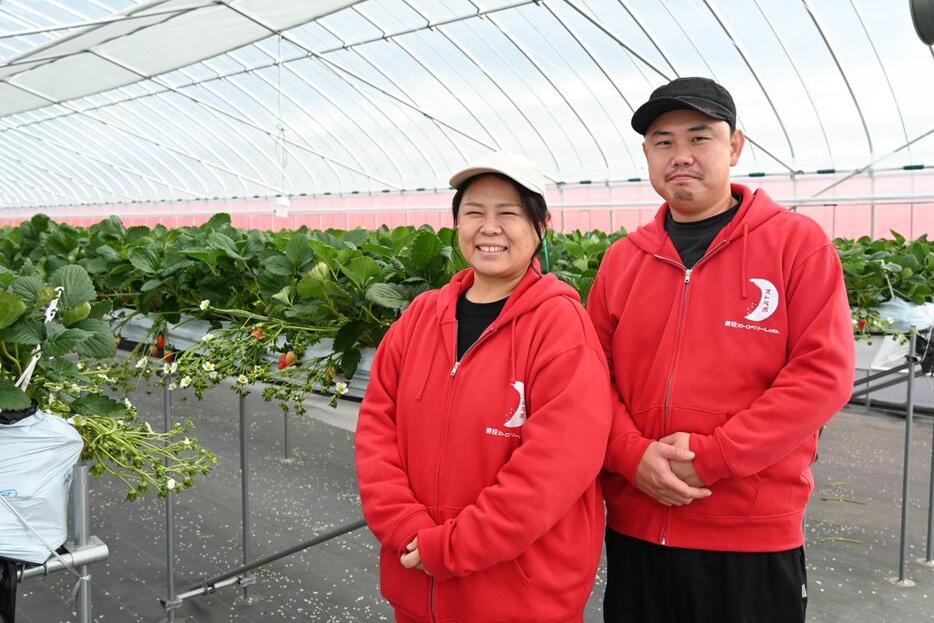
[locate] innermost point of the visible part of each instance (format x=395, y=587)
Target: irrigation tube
x=902, y=579
x=235, y=576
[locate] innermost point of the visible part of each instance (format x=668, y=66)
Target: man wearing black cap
x=726, y=325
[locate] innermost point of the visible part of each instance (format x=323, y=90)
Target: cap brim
x=462, y=176
x=651, y=110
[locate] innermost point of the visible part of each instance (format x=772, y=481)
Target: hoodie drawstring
x=512, y=348
x=431, y=363
x=743, y=265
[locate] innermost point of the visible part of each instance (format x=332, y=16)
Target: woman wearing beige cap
x=485, y=425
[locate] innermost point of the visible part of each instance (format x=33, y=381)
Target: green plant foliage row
x=73, y=377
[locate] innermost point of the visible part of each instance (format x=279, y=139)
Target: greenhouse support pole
x=902, y=579
x=171, y=601
x=82, y=512
x=928, y=561
x=285, y=436
x=245, y=488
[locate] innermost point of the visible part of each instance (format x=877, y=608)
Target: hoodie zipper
x=441, y=450
x=679, y=335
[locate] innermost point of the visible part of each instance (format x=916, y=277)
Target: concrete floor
x=853, y=527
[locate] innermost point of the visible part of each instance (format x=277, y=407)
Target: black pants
x=648, y=583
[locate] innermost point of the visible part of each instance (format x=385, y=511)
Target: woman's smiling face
x=496, y=235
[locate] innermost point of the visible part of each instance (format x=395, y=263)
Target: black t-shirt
x=473, y=319
x=692, y=239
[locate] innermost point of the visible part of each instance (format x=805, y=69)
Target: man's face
x=689, y=157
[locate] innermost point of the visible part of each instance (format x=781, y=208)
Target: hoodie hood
x=757, y=208
x=534, y=289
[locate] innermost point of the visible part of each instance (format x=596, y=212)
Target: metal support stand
x=902, y=579
x=82, y=518
x=928, y=560
x=171, y=602
x=245, y=493
x=286, y=457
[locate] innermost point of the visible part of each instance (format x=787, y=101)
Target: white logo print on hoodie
x=518, y=415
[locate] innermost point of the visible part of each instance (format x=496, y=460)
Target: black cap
x=700, y=94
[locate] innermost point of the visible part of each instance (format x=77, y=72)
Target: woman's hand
x=413, y=560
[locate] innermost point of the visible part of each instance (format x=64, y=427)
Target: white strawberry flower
x=166, y=369
x=208, y=366
x=170, y=483
x=174, y=367
x=186, y=442
x=148, y=427
x=80, y=365
x=242, y=379
x=127, y=403
x=185, y=382
x=173, y=387
x=204, y=304
x=76, y=420
x=340, y=388
x=212, y=374
x=142, y=363
x=207, y=337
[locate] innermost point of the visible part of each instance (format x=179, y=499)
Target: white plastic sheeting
x=202, y=99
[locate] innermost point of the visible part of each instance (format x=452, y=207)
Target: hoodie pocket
x=650, y=422
x=494, y=595
x=408, y=590
x=691, y=420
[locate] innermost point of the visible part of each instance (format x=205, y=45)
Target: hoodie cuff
x=709, y=461
x=625, y=453
x=407, y=530
x=431, y=549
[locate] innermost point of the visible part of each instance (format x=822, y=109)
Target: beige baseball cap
x=518, y=168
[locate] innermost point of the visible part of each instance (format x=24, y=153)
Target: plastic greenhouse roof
x=116, y=100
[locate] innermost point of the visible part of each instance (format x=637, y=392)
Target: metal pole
x=902, y=579
x=285, y=436
x=245, y=488
x=868, y=394
x=82, y=512
x=928, y=561
x=171, y=602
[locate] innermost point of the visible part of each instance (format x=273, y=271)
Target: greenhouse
x=475, y=311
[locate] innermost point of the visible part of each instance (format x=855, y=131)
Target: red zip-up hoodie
x=491, y=461
x=750, y=352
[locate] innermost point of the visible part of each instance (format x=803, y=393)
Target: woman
x=485, y=424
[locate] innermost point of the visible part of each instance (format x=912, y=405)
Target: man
x=726, y=325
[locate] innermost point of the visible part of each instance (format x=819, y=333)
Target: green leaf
x=284, y=295
x=28, y=288
x=11, y=308
x=151, y=284
x=40, y=223
x=222, y=242
x=361, y=270
x=311, y=285
x=77, y=285
x=59, y=370
x=25, y=331
x=100, y=309
x=76, y=314
x=143, y=259
x=95, y=265
x=62, y=341
x=349, y=362
x=100, y=343
x=218, y=221
x=11, y=397
x=389, y=295
x=92, y=405
x=347, y=336
x=425, y=249
x=279, y=265
x=297, y=250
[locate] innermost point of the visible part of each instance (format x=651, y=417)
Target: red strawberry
x=153, y=351
x=160, y=341
x=258, y=333
x=861, y=324
x=169, y=356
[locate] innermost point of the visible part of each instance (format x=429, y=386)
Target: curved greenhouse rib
x=836, y=60
x=645, y=30
x=885, y=73
x=794, y=67
x=590, y=54
x=499, y=87
x=338, y=68
x=752, y=70
x=528, y=56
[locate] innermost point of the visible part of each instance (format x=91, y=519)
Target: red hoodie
x=751, y=352
x=492, y=462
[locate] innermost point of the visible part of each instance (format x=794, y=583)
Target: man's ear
x=737, y=141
